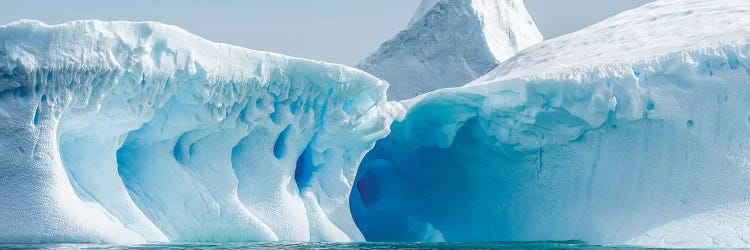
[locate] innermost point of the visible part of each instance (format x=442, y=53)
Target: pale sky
x=339, y=31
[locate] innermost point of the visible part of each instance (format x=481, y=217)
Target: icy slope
x=635, y=130
x=133, y=132
x=451, y=42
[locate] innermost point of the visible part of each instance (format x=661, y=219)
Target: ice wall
x=632, y=131
x=139, y=132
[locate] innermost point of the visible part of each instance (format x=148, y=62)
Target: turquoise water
x=306, y=245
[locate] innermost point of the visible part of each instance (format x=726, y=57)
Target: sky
x=339, y=31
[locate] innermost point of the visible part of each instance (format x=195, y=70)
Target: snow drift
x=451, y=42
x=135, y=132
x=632, y=131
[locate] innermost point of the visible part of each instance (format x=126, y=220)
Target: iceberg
x=632, y=131
x=128, y=132
x=451, y=42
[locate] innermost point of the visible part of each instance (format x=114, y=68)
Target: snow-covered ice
x=635, y=130
x=632, y=131
x=137, y=132
x=449, y=43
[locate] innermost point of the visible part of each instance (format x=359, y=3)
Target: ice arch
x=632, y=131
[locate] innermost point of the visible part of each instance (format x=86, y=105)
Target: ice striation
x=142, y=132
x=632, y=131
x=451, y=42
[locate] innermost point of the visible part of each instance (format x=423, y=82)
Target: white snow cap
x=451, y=42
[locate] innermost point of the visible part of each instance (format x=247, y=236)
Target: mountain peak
x=451, y=42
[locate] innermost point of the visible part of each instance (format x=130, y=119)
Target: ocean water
x=308, y=245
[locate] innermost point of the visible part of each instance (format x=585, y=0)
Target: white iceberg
x=140, y=132
x=635, y=130
x=451, y=42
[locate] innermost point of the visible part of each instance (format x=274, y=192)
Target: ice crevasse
x=635, y=130
x=139, y=132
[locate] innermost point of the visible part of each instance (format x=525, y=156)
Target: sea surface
x=308, y=245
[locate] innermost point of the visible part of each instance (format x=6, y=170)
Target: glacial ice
x=140, y=132
x=632, y=131
x=451, y=42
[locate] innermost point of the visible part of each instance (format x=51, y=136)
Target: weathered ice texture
x=635, y=130
x=139, y=132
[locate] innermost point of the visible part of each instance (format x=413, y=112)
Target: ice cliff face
x=632, y=131
x=134, y=132
x=451, y=42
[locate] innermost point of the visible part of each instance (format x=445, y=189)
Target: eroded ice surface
x=635, y=130
x=631, y=131
x=451, y=42
x=134, y=132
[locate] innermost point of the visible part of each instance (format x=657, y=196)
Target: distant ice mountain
x=140, y=132
x=451, y=42
x=635, y=130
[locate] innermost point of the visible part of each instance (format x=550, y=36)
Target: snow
x=632, y=131
x=449, y=43
x=130, y=132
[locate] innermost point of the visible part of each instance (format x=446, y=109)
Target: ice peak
x=449, y=43
x=423, y=8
